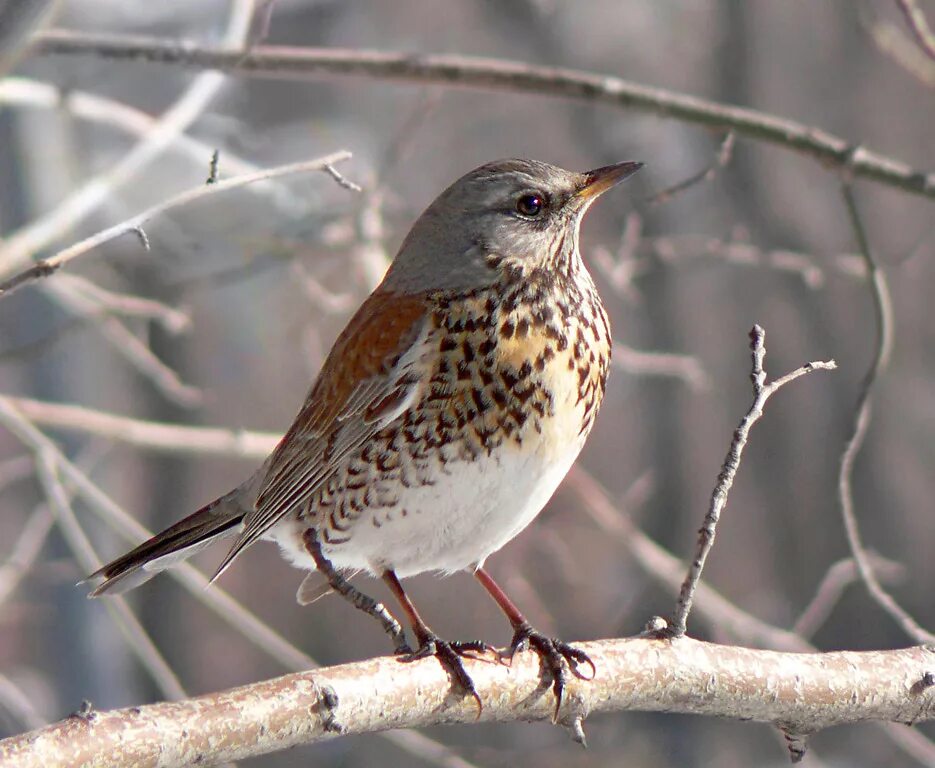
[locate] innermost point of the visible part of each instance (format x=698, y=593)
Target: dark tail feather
x=221, y=518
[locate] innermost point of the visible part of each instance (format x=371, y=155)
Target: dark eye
x=530, y=204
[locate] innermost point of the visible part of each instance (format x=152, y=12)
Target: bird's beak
x=600, y=180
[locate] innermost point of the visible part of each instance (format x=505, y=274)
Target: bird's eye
x=531, y=204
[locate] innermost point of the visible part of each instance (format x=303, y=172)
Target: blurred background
x=225, y=318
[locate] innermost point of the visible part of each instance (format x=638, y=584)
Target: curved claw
x=555, y=654
x=449, y=655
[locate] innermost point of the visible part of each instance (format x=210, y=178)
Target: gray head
x=509, y=214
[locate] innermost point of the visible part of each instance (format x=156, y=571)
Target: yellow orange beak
x=600, y=180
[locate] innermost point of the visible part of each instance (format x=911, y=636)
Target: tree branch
x=860, y=423
x=46, y=267
x=495, y=74
x=802, y=693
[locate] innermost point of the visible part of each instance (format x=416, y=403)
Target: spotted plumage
x=446, y=413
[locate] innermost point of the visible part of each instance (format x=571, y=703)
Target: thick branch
x=494, y=74
x=800, y=692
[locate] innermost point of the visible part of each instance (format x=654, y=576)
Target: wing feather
x=374, y=373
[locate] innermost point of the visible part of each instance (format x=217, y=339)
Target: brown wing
x=373, y=373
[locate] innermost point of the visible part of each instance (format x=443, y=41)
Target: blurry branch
x=638, y=362
x=801, y=693
x=158, y=436
x=669, y=571
x=46, y=267
x=216, y=599
x=637, y=254
x=494, y=74
x=720, y=613
x=22, y=92
x=919, y=25
x=15, y=701
x=25, y=550
x=172, y=320
x=19, y=20
x=725, y=151
x=883, y=316
x=837, y=578
x=21, y=246
x=129, y=626
x=762, y=391
x=891, y=41
x=127, y=344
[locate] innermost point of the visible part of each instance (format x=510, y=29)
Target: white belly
x=470, y=512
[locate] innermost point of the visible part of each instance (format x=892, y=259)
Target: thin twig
x=717, y=610
x=893, y=42
x=919, y=25
x=21, y=246
x=133, y=349
x=495, y=74
x=48, y=266
x=669, y=571
x=129, y=626
x=19, y=91
x=883, y=319
x=762, y=391
x=153, y=435
x=341, y=180
x=171, y=319
x=639, y=362
x=213, y=167
x=25, y=550
x=837, y=578
x=725, y=151
x=15, y=701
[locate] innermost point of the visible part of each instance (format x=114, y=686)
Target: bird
x=443, y=419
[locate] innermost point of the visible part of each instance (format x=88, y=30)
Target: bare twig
x=669, y=571
x=171, y=319
x=710, y=604
x=60, y=259
x=133, y=349
x=803, y=693
x=15, y=701
x=723, y=157
x=158, y=436
x=493, y=74
x=341, y=180
x=213, y=167
x=19, y=21
x=919, y=25
x=25, y=550
x=671, y=364
x=15, y=469
x=883, y=317
x=837, y=578
x=893, y=42
x=21, y=246
x=761, y=393
x=137, y=638
x=103, y=111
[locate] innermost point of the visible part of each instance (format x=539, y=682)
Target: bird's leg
x=448, y=653
x=353, y=595
x=551, y=651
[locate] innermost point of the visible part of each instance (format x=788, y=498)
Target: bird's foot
x=450, y=655
x=555, y=655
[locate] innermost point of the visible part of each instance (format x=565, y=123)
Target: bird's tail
x=221, y=518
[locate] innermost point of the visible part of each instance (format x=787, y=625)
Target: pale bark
x=799, y=692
